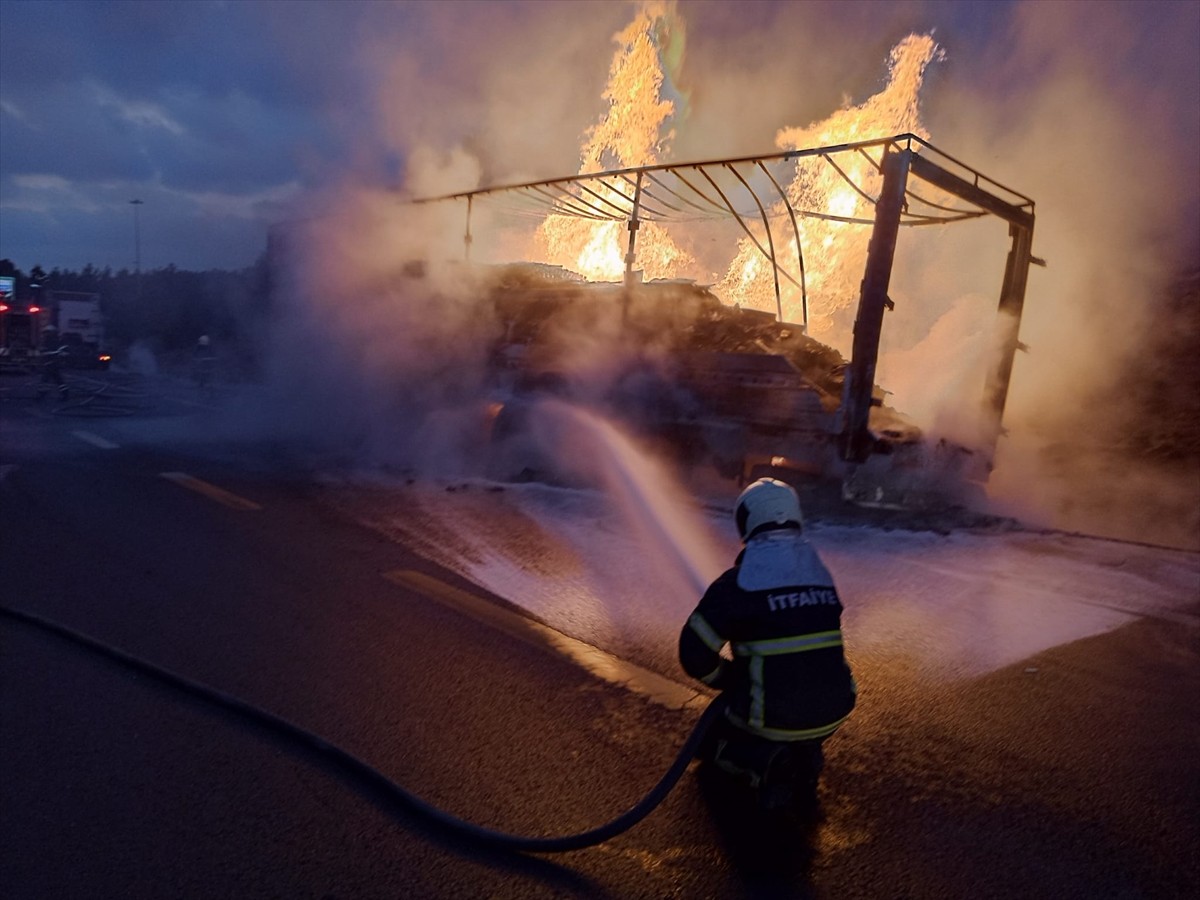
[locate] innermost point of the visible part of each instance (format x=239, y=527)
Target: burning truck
x=745, y=389
x=627, y=313
x=739, y=369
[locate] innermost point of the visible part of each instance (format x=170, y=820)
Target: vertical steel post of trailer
x=467, y=239
x=858, y=392
x=634, y=225
x=1007, y=338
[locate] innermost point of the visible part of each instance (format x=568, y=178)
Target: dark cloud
x=212, y=113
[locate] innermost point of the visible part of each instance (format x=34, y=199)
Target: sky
x=225, y=117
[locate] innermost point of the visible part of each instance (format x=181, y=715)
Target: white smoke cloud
x=1092, y=112
x=377, y=338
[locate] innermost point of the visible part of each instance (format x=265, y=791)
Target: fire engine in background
x=80, y=324
x=70, y=320
x=21, y=324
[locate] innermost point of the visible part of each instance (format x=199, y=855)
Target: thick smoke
x=1093, y=111
x=379, y=344
x=1090, y=109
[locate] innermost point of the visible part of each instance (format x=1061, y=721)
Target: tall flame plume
x=633, y=132
x=834, y=252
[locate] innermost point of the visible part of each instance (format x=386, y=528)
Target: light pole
x=137, y=238
x=137, y=246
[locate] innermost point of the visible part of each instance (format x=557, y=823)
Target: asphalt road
x=1073, y=774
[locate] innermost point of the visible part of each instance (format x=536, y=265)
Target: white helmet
x=766, y=502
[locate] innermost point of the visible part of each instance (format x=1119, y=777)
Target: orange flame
x=635, y=132
x=630, y=134
x=834, y=252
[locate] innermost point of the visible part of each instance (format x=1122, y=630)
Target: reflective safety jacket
x=778, y=610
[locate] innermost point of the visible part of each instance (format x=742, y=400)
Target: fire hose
x=356, y=767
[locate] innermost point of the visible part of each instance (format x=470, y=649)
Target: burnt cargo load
x=709, y=383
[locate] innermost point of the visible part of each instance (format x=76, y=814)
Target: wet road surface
x=1075, y=773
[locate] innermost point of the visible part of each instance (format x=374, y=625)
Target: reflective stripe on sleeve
x=795, y=644
x=705, y=632
x=712, y=676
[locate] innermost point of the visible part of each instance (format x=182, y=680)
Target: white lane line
x=95, y=440
x=211, y=491
x=651, y=685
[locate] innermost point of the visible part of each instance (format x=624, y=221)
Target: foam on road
x=956, y=605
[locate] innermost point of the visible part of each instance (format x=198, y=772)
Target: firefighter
x=204, y=362
x=788, y=685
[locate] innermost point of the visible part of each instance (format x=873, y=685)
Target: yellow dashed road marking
x=211, y=491
x=660, y=689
